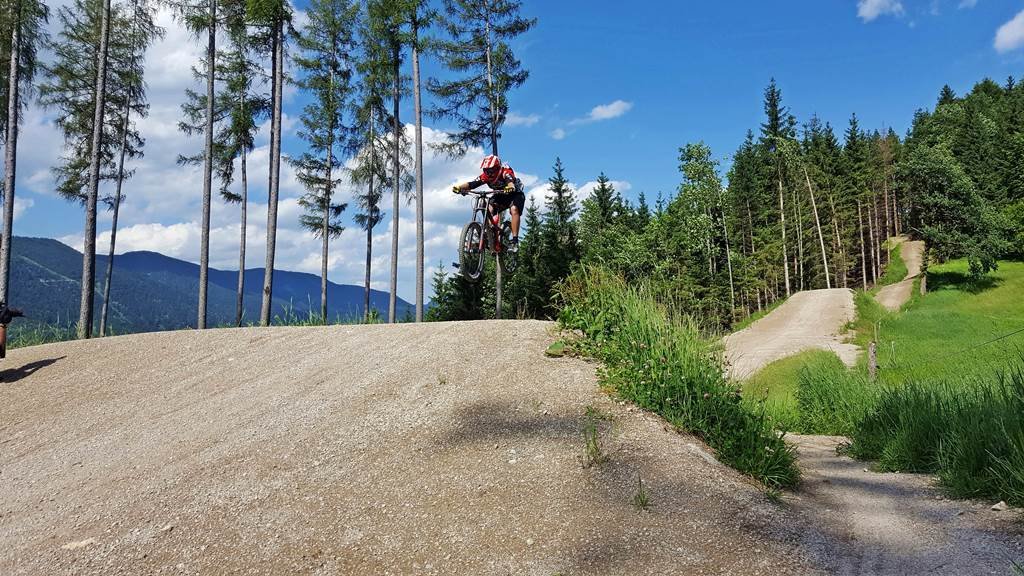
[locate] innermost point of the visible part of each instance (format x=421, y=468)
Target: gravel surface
x=808, y=319
x=896, y=295
x=406, y=449
x=871, y=523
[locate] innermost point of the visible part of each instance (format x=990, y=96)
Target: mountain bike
x=485, y=233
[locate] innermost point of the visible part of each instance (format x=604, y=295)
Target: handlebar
x=8, y=314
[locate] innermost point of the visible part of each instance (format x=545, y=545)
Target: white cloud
x=558, y=134
x=21, y=205
x=1010, y=36
x=868, y=10
x=515, y=119
x=605, y=112
x=609, y=111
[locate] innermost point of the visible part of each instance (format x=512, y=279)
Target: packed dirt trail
x=894, y=296
x=451, y=448
x=889, y=524
x=807, y=320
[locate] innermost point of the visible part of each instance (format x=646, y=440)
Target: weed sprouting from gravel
x=642, y=500
x=593, y=454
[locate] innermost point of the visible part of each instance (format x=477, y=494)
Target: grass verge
x=660, y=361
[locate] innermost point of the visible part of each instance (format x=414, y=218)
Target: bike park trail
x=894, y=296
x=869, y=523
x=439, y=448
x=812, y=319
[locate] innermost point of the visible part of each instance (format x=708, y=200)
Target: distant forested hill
x=156, y=292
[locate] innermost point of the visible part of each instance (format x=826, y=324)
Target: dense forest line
x=802, y=208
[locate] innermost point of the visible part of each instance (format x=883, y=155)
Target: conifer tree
x=325, y=63
x=22, y=34
x=477, y=52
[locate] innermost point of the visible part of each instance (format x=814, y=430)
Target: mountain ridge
x=152, y=291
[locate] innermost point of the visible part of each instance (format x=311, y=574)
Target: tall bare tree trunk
x=885, y=201
x=204, y=248
x=396, y=96
x=275, y=171
x=10, y=156
x=490, y=86
x=240, y=304
x=728, y=255
x=369, y=225
x=799, y=268
x=871, y=245
x=89, y=243
x=785, y=249
x=872, y=231
x=113, y=225
x=895, y=213
x=863, y=253
x=419, y=169
x=817, y=224
x=879, y=236
x=839, y=245
x=326, y=231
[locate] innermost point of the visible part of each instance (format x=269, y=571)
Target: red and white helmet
x=490, y=163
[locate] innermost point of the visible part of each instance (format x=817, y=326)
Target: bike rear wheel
x=507, y=259
x=472, y=252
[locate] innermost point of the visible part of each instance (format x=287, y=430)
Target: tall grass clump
x=36, y=334
x=830, y=398
x=970, y=432
x=659, y=360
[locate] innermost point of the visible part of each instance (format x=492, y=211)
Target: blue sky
x=614, y=87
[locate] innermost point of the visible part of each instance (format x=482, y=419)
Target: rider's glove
x=510, y=188
x=458, y=190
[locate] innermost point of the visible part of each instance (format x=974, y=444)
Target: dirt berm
x=412, y=449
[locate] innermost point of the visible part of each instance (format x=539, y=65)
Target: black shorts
x=503, y=201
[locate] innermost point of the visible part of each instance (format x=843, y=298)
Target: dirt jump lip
x=356, y=450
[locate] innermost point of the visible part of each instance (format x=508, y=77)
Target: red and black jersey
x=503, y=178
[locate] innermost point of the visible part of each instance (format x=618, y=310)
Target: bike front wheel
x=507, y=259
x=471, y=252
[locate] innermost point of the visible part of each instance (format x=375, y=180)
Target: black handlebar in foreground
x=6, y=315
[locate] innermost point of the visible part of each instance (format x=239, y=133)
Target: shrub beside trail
x=658, y=359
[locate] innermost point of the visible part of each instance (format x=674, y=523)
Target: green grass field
x=960, y=327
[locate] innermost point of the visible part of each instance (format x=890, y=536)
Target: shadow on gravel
x=489, y=421
x=15, y=374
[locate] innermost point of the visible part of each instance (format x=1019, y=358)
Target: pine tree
x=130, y=99
x=201, y=19
x=79, y=83
x=486, y=69
x=22, y=34
x=325, y=63
x=559, y=239
x=273, y=17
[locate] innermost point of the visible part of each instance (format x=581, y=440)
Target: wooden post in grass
x=924, y=284
x=872, y=361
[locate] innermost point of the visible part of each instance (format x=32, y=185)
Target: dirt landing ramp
x=410, y=449
x=807, y=320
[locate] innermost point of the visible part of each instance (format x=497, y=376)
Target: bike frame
x=491, y=223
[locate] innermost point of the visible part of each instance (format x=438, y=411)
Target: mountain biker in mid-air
x=501, y=178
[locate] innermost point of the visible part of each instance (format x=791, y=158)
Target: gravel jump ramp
x=807, y=320
x=451, y=448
